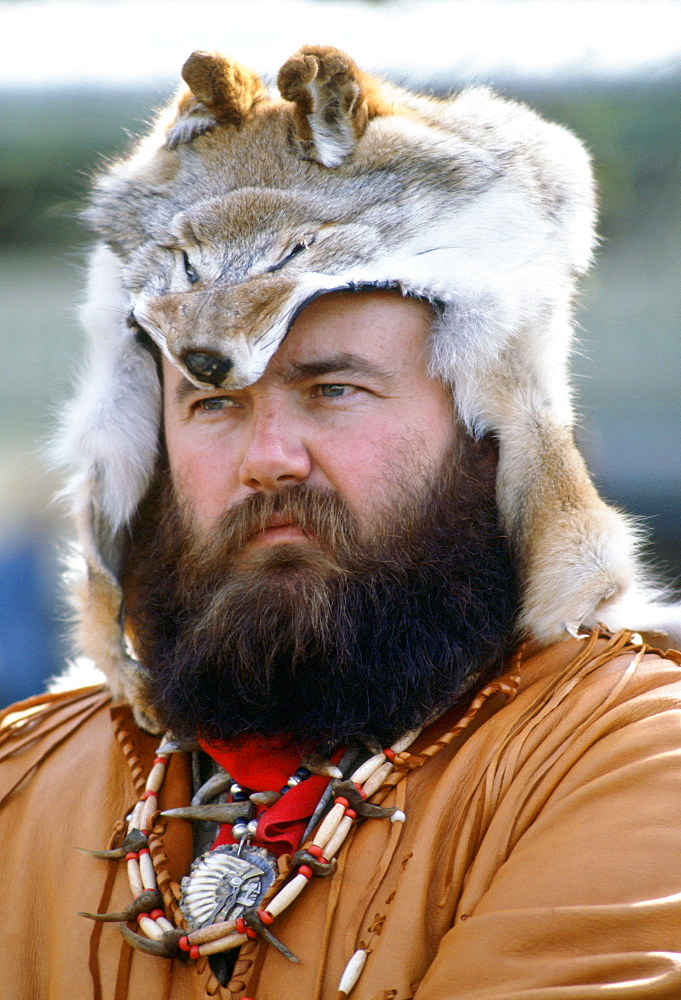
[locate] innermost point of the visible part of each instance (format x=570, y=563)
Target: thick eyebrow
x=289, y=372
x=334, y=364
x=184, y=389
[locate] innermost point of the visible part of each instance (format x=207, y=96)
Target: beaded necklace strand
x=381, y=772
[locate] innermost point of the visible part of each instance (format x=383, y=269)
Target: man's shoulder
x=37, y=708
x=601, y=658
x=44, y=712
x=64, y=726
x=619, y=677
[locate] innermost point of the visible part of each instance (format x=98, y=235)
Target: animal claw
x=321, y=765
x=149, y=900
x=217, y=812
x=264, y=798
x=218, y=782
x=366, y=809
x=252, y=920
x=177, y=746
x=134, y=841
x=322, y=868
x=167, y=947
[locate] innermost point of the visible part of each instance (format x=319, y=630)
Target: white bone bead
x=147, y=871
x=329, y=826
x=353, y=970
x=405, y=741
x=134, y=877
x=366, y=769
x=336, y=842
x=213, y=932
x=398, y=817
x=150, y=928
x=376, y=780
x=155, y=779
x=150, y=807
x=286, y=895
x=135, y=822
x=164, y=924
x=222, y=944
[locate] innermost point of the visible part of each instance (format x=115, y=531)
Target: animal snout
x=207, y=366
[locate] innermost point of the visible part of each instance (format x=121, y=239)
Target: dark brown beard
x=348, y=636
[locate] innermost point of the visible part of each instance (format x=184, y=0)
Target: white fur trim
x=110, y=429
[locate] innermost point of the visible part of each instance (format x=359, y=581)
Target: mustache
x=320, y=514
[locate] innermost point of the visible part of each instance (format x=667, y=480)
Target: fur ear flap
x=221, y=91
x=334, y=101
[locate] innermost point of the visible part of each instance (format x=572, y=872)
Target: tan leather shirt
x=540, y=858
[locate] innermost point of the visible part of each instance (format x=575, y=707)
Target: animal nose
x=207, y=366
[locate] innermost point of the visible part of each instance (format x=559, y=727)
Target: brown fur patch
x=229, y=90
x=355, y=94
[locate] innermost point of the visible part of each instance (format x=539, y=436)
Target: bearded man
x=375, y=721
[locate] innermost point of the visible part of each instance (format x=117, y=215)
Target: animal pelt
x=243, y=204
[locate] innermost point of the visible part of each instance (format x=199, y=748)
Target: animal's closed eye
x=189, y=269
x=302, y=244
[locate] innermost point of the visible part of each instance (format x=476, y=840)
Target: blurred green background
x=55, y=131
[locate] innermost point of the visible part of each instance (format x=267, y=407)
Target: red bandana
x=263, y=765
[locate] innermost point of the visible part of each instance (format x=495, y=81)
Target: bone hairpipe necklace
x=243, y=863
x=235, y=868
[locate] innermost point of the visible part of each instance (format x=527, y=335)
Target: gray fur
x=475, y=203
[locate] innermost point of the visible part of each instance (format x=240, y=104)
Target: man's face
x=324, y=562
x=346, y=405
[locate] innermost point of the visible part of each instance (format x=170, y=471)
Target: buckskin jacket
x=540, y=858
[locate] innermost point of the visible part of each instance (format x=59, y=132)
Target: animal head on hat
x=244, y=204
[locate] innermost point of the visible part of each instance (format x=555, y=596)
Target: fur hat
x=242, y=205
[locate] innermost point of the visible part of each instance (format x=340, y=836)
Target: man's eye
x=215, y=403
x=333, y=390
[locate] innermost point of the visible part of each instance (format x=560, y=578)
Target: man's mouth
x=278, y=530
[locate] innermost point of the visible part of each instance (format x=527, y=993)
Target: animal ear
x=334, y=101
x=221, y=91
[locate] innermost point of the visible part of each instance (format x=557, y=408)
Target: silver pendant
x=223, y=883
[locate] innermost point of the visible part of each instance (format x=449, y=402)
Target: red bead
x=351, y=813
x=140, y=915
x=340, y=801
x=240, y=925
x=144, y=832
x=148, y=795
x=184, y=943
x=132, y=856
x=306, y=871
x=143, y=850
x=160, y=760
x=155, y=914
x=360, y=789
x=250, y=933
x=194, y=952
x=390, y=754
x=315, y=851
x=265, y=916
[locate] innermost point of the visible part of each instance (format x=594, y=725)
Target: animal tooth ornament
x=242, y=205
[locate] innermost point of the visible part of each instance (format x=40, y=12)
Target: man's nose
x=275, y=455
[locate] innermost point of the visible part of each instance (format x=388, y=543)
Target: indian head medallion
x=224, y=882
